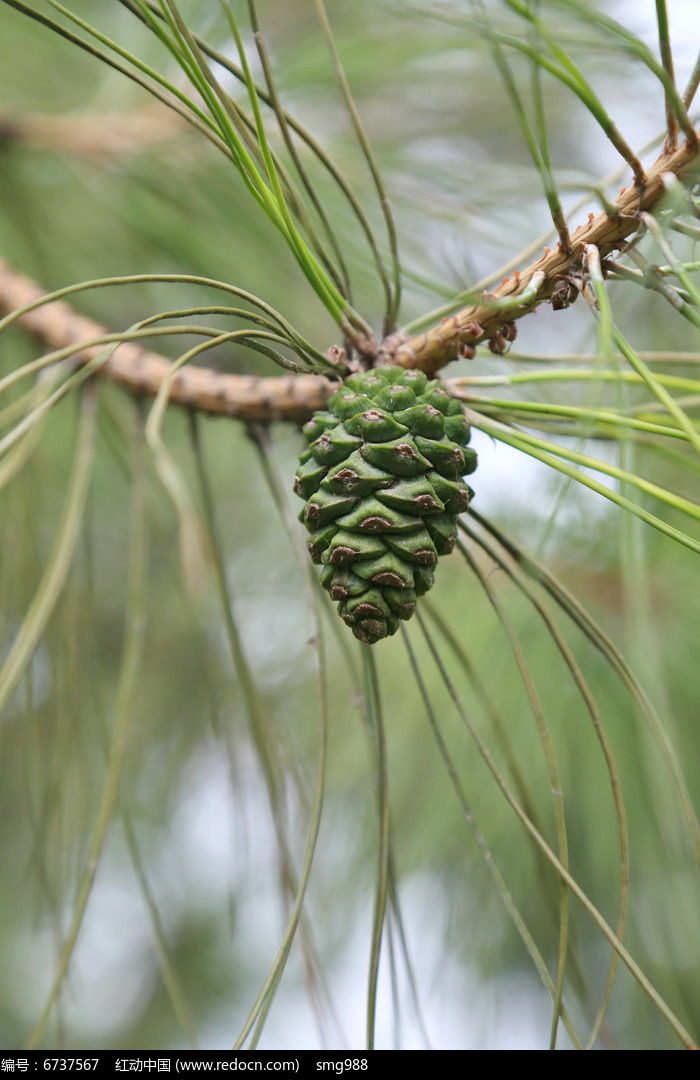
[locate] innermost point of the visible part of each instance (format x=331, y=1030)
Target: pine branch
x=607, y=231
x=295, y=398
x=94, y=135
x=243, y=397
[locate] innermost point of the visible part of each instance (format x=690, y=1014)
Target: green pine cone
x=382, y=484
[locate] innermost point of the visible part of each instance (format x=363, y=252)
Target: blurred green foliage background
x=189, y=900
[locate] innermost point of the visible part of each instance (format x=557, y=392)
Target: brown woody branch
x=606, y=231
x=92, y=135
x=294, y=398
x=244, y=397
